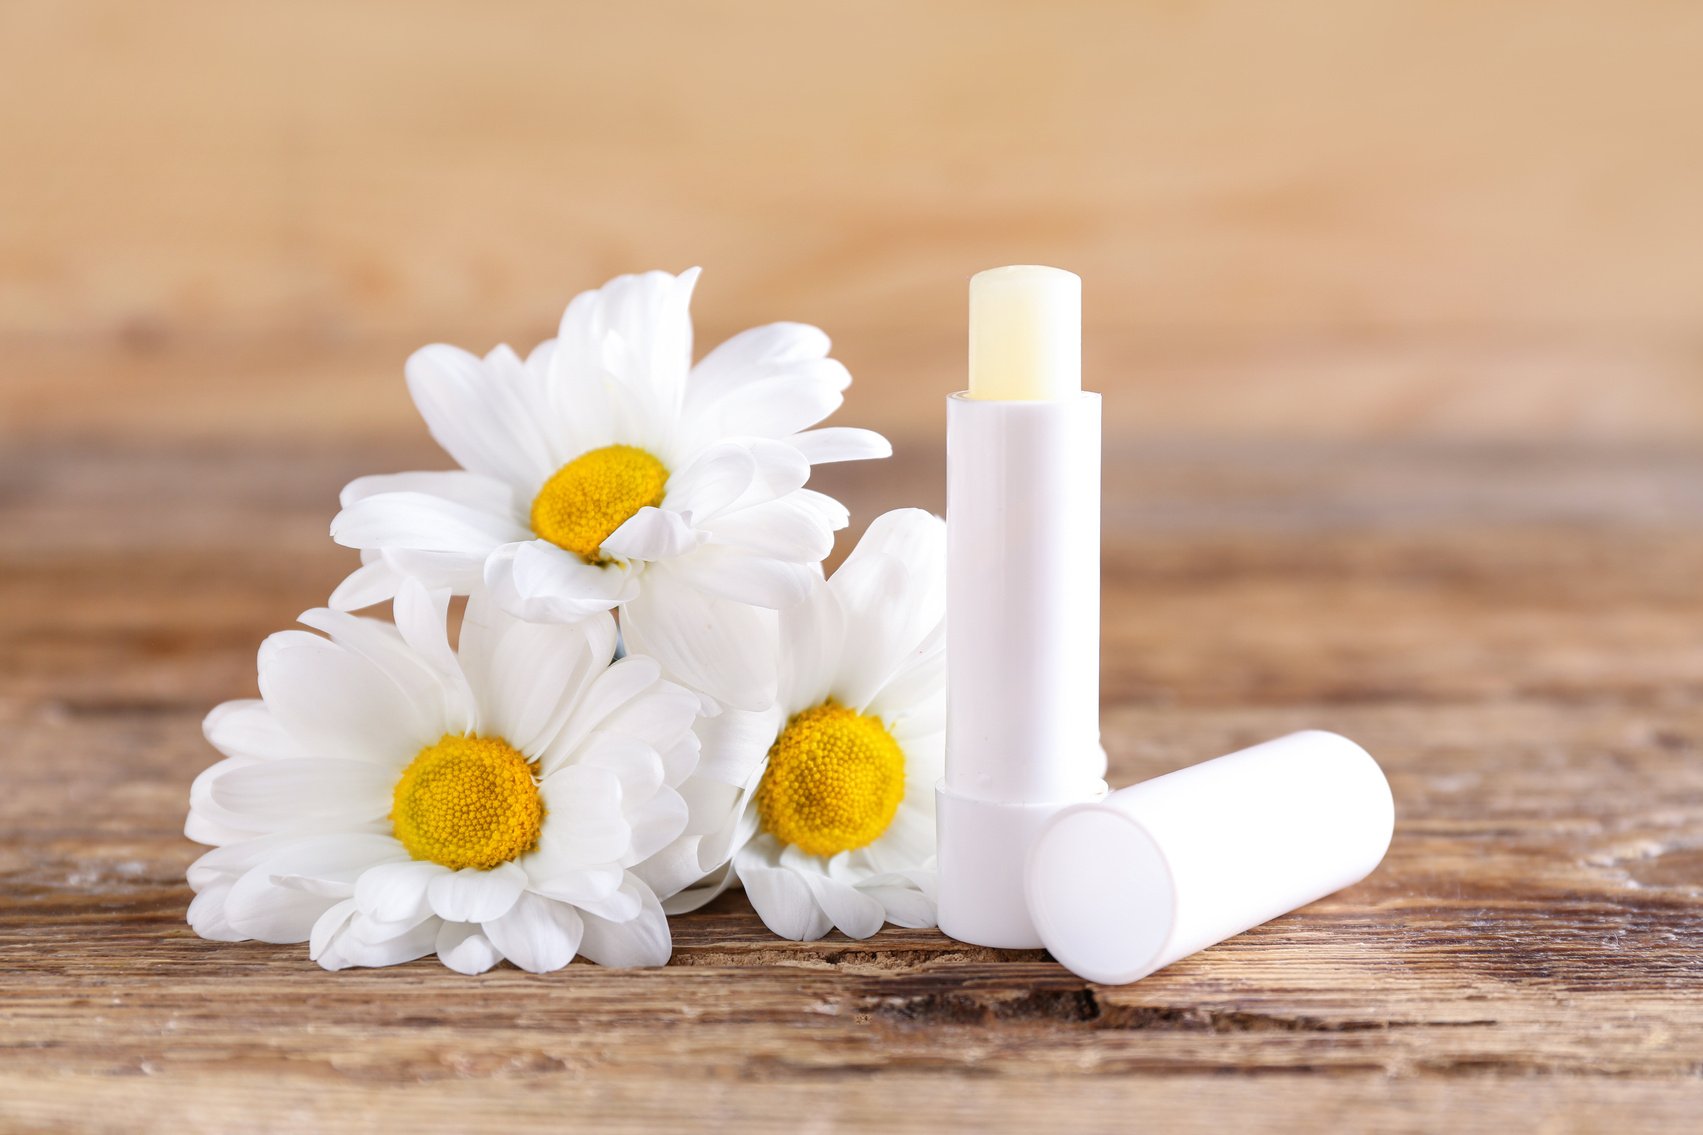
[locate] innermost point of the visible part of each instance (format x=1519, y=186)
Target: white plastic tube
x=1160, y=870
x=1023, y=615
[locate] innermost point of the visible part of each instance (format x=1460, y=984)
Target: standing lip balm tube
x=1023, y=606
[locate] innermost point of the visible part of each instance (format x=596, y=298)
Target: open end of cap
x=1101, y=895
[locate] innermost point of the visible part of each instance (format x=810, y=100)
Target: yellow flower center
x=594, y=494
x=467, y=802
x=834, y=781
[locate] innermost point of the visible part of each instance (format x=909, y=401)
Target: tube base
x=983, y=846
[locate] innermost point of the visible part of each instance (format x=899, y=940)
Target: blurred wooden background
x=1322, y=218
x=1398, y=310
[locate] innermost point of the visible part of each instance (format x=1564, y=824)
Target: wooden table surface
x=1512, y=630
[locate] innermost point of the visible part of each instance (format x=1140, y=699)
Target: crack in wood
x=1082, y=1005
x=1061, y=1006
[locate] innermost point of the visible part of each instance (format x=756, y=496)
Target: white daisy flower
x=606, y=471
x=389, y=797
x=825, y=802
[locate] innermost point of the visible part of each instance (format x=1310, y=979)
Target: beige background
x=1478, y=220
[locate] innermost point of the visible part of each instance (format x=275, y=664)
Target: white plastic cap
x=1157, y=871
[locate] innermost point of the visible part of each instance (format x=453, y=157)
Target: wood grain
x=1512, y=631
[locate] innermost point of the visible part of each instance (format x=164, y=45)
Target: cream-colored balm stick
x=1023, y=607
x=1025, y=334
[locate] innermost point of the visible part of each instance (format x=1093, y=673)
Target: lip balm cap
x=1152, y=873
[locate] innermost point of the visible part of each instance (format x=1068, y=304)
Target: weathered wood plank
x=1512, y=631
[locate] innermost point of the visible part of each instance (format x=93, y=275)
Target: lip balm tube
x=1023, y=606
x=1170, y=866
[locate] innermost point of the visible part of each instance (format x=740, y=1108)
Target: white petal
x=474, y=409
x=925, y=760
x=459, y=572
x=892, y=589
x=784, y=902
x=247, y=728
x=659, y=716
x=261, y=909
x=539, y=361
x=396, y=892
x=346, y=949
x=641, y=940
x=369, y=931
x=483, y=494
x=337, y=704
x=746, y=577
x=432, y=687
x=257, y=907
x=618, y=685
x=425, y=523
x=652, y=534
x=305, y=792
x=470, y=895
x=421, y=617
x=726, y=818
x=840, y=443
x=781, y=469
x=674, y=869
x=913, y=698
x=779, y=406
x=635, y=764
x=584, y=401
x=416, y=944
x=752, y=356
x=621, y=905
x=834, y=514
x=909, y=841
x=679, y=759
x=656, y=824
x=538, y=934
x=207, y=915
x=905, y=905
x=529, y=396
x=700, y=894
x=209, y=826
x=541, y=583
x=465, y=949
x=584, y=824
x=712, y=481
x=373, y=582
x=528, y=676
x=916, y=539
x=341, y=888
x=792, y=528
x=327, y=927
x=854, y=914
x=224, y=865
x=637, y=330
x=576, y=885
x=734, y=743
x=812, y=642
x=708, y=644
